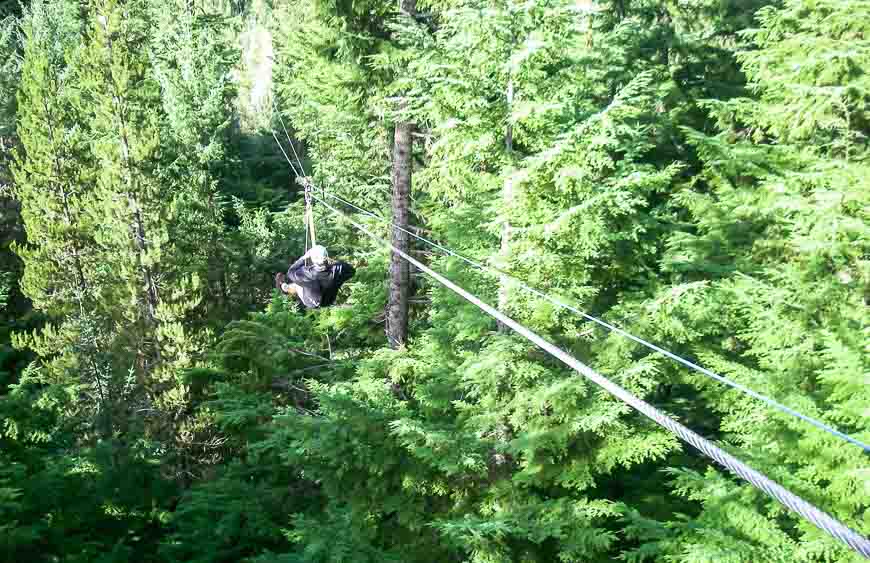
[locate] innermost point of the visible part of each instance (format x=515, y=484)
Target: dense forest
x=695, y=172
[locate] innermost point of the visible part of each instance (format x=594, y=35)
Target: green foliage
x=694, y=171
x=9, y=76
x=62, y=500
x=228, y=518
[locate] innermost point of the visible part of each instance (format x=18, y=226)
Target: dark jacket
x=320, y=284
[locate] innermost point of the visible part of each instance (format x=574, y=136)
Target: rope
x=309, y=214
x=700, y=369
x=307, y=246
x=308, y=219
x=311, y=227
x=820, y=519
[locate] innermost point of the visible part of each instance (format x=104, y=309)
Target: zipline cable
x=309, y=214
x=280, y=146
x=819, y=518
x=692, y=365
x=290, y=141
x=625, y=334
x=301, y=172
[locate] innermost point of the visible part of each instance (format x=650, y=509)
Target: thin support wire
x=289, y=140
x=692, y=365
x=280, y=146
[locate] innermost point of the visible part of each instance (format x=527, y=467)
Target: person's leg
x=292, y=289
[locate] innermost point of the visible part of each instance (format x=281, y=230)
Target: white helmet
x=318, y=255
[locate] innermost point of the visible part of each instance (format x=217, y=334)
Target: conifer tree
x=780, y=209
x=402, y=164
x=54, y=182
x=129, y=196
x=193, y=64
x=114, y=263
x=158, y=129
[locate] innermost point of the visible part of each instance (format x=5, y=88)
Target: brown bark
x=397, y=308
x=403, y=144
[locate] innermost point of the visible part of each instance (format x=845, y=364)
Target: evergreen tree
x=780, y=209
x=53, y=182
x=113, y=260
x=193, y=64
x=129, y=196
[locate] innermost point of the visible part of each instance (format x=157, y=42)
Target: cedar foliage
x=695, y=172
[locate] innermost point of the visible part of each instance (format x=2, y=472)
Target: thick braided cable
x=624, y=333
x=819, y=518
x=692, y=365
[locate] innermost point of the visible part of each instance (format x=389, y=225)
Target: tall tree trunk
x=403, y=144
x=397, y=308
x=136, y=227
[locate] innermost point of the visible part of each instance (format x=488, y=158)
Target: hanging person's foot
x=280, y=281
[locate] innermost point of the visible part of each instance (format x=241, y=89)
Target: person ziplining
x=315, y=285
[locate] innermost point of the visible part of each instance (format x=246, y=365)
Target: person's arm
x=340, y=272
x=343, y=272
x=295, y=269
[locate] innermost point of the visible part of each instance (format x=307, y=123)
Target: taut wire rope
x=811, y=513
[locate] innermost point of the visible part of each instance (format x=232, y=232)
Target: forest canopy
x=693, y=172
